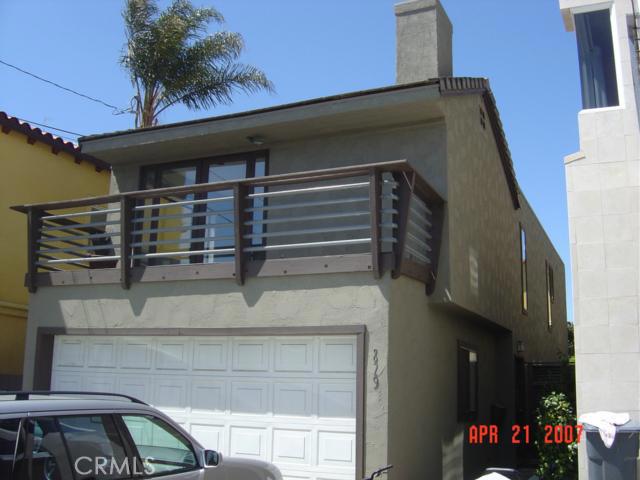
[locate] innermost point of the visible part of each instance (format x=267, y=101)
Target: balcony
x=374, y=217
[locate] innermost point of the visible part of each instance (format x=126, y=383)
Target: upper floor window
x=597, y=59
x=196, y=224
x=523, y=269
x=550, y=293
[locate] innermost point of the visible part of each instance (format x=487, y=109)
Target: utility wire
x=50, y=127
x=116, y=110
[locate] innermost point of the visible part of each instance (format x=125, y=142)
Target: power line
x=116, y=110
x=50, y=127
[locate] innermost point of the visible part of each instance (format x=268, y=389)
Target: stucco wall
x=425, y=438
x=321, y=300
x=423, y=145
x=484, y=244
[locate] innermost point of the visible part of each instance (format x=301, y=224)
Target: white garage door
x=289, y=400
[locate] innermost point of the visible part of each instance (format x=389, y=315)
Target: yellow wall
x=30, y=174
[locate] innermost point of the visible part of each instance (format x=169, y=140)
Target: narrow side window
x=523, y=269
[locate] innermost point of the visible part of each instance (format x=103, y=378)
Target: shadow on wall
x=201, y=298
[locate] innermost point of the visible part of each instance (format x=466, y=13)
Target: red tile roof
x=34, y=134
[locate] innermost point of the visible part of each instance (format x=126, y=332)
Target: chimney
x=423, y=41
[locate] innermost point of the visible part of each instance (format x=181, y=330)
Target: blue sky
x=311, y=49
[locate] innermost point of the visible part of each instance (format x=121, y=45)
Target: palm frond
x=171, y=59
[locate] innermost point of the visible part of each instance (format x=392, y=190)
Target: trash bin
x=618, y=462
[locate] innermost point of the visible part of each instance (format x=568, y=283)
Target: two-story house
x=35, y=166
x=602, y=186
x=331, y=285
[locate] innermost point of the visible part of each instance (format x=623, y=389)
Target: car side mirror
x=212, y=458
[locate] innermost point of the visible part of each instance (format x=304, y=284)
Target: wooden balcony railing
x=367, y=217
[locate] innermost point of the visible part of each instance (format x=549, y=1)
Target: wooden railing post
x=375, y=204
x=126, y=221
x=239, y=195
x=34, y=222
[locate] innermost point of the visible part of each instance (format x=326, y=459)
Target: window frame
x=524, y=270
x=466, y=413
x=126, y=433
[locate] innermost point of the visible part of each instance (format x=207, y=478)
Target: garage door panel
x=70, y=352
x=170, y=393
x=66, y=381
x=292, y=446
x=337, y=400
x=293, y=399
x=172, y=355
x=99, y=383
x=208, y=396
x=336, y=449
x=250, y=355
x=294, y=354
x=210, y=435
x=210, y=355
x=249, y=442
x=101, y=352
x=337, y=354
x=136, y=353
x=249, y=398
x=135, y=386
x=286, y=399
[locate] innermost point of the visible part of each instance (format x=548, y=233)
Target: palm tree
x=171, y=59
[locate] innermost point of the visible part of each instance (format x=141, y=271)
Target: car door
x=162, y=450
x=95, y=447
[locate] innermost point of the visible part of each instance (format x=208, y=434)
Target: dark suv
x=90, y=436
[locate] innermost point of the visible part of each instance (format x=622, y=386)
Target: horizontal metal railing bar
x=287, y=178
x=51, y=238
x=74, y=249
x=50, y=257
x=298, y=191
x=82, y=214
x=187, y=253
x=181, y=203
x=304, y=218
x=81, y=226
x=78, y=260
x=319, y=203
x=181, y=215
x=184, y=240
x=184, y=228
x=354, y=241
x=308, y=231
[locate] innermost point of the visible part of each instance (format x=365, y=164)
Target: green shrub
x=556, y=461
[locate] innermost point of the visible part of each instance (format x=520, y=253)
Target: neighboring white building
x=602, y=185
